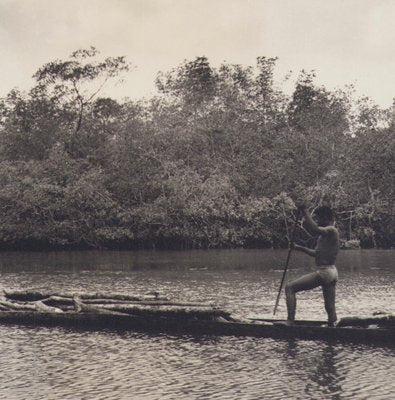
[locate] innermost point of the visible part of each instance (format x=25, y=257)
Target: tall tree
x=79, y=80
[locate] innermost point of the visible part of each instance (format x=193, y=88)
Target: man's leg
x=329, y=291
x=306, y=282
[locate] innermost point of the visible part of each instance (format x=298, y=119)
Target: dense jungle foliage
x=215, y=159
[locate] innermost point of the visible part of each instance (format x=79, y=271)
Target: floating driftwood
x=33, y=306
x=81, y=307
x=58, y=300
x=34, y=295
x=41, y=307
x=17, y=306
x=150, y=304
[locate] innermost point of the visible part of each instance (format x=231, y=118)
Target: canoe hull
x=199, y=327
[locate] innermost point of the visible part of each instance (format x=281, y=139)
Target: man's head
x=324, y=216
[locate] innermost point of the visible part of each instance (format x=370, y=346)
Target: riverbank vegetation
x=215, y=159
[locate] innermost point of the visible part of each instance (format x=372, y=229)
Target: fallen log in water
x=41, y=307
x=60, y=300
x=16, y=306
x=57, y=300
x=34, y=295
x=110, y=303
x=208, y=313
x=81, y=307
x=33, y=306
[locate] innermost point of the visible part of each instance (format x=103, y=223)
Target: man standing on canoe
x=325, y=254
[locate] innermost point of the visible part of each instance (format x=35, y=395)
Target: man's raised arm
x=311, y=223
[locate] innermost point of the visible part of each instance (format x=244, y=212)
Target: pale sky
x=344, y=41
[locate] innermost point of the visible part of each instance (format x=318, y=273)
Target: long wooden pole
x=286, y=263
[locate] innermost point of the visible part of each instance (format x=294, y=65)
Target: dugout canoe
x=308, y=330
x=152, y=313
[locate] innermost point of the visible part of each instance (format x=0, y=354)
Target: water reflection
x=42, y=363
x=320, y=363
x=326, y=376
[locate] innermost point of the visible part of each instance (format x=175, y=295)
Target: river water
x=59, y=363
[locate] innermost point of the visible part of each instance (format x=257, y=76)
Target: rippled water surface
x=58, y=363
